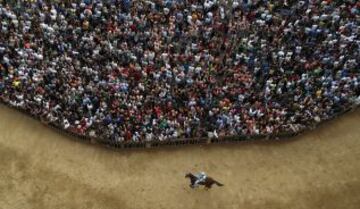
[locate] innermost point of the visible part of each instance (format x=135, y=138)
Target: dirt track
x=42, y=169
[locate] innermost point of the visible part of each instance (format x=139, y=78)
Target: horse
x=207, y=183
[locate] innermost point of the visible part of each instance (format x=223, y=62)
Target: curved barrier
x=174, y=142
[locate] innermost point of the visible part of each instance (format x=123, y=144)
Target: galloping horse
x=207, y=183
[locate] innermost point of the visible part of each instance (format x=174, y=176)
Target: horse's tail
x=219, y=184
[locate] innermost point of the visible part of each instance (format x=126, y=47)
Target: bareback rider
x=201, y=177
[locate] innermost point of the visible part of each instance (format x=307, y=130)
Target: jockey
x=200, y=178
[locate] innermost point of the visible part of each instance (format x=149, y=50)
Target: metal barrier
x=174, y=142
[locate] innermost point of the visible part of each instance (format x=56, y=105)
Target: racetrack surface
x=40, y=168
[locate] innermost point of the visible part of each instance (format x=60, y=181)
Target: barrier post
x=93, y=140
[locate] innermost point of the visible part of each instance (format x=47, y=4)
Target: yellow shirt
x=318, y=93
x=16, y=83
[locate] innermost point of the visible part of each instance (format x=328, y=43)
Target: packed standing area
x=123, y=70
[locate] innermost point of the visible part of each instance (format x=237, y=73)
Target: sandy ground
x=43, y=169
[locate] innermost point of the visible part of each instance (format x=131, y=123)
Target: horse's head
x=192, y=179
x=188, y=175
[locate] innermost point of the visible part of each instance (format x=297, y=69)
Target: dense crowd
x=141, y=70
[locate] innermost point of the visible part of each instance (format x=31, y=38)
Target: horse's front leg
x=193, y=185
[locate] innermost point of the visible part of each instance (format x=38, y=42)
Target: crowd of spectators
x=142, y=70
